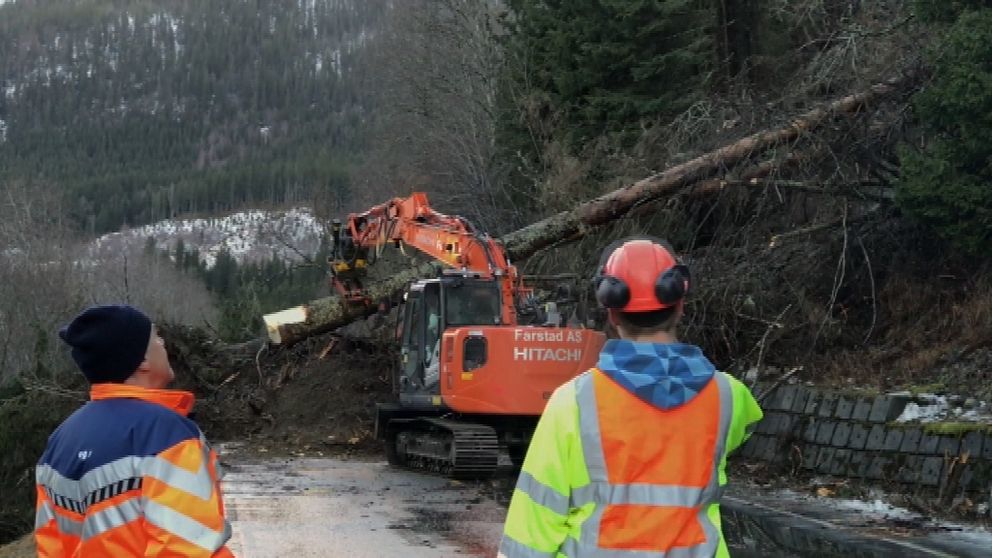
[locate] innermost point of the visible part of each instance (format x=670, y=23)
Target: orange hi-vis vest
x=652, y=487
x=129, y=475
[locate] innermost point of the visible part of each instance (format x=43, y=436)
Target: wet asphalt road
x=329, y=508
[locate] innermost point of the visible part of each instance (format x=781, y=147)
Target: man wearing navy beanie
x=128, y=474
x=109, y=344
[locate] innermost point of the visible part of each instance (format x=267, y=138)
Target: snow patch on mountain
x=248, y=236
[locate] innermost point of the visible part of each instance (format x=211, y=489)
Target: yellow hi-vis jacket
x=609, y=475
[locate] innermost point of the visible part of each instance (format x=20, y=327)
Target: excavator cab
x=433, y=306
x=421, y=307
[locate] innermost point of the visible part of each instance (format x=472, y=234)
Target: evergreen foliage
x=246, y=292
x=948, y=182
x=946, y=11
x=146, y=110
x=607, y=65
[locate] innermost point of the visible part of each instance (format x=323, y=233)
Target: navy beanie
x=108, y=342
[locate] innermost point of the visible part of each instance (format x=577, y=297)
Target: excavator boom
x=411, y=221
x=450, y=240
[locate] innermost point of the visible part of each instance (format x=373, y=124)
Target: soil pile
x=317, y=396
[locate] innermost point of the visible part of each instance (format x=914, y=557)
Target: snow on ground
x=924, y=413
x=876, y=508
x=248, y=236
x=928, y=408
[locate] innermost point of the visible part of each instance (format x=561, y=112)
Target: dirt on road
x=324, y=507
x=22, y=548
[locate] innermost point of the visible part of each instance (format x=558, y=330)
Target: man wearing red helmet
x=628, y=459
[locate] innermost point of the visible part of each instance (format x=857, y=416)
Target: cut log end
x=275, y=321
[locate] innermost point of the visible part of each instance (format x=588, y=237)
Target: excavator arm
x=411, y=221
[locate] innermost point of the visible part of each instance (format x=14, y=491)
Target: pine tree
x=948, y=182
x=162, y=115
x=607, y=65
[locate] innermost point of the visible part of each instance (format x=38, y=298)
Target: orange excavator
x=473, y=376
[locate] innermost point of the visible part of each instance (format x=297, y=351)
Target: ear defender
x=612, y=292
x=640, y=274
x=672, y=285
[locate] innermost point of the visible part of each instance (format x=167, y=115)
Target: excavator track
x=454, y=449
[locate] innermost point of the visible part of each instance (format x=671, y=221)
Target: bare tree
x=151, y=282
x=435, y=70
x=37, y=284
x=47, y=275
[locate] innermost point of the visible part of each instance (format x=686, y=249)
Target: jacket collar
x=664, y=375
x=180, y=402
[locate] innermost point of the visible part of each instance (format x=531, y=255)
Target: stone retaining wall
x=855, y=436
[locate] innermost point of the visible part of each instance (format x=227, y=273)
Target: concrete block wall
x=855, y=436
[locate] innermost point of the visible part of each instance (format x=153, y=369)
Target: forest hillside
x=854, y=254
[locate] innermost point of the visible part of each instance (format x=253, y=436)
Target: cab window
x=471, y=303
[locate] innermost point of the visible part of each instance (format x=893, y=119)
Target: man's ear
x=143, y=368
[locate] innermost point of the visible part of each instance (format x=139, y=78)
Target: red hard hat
x=641, y=275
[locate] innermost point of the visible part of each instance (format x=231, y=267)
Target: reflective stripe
x=198, y=484
x=67, y=525
x=98, y=484
x=183, y=526
x=590, y=529
x=513, y=549
x=713, y=489
x=712, y=543
x=638, y=494
x=585, y=395
x=123, y=475
x=542, y=494
x=95, y=480
x=602, y=493
x=95, y=486
x=111, y=518
x=43, y=515
x=574, y=548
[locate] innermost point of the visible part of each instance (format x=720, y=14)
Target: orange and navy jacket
x=129, y=474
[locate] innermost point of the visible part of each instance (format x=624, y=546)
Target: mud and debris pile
x=315, y=398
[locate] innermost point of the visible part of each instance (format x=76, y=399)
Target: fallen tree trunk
x=329, y=313
x=571, y=224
